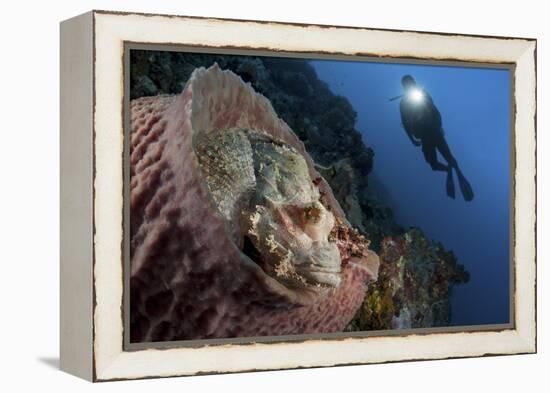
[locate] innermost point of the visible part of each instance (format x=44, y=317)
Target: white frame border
x=111, y=30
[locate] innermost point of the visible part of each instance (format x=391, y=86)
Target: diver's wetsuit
x=422, y=122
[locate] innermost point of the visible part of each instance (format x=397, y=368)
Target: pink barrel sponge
x=233, y=233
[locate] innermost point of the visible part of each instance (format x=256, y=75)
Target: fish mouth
x=322, y=267
x=321, y=278
x=306, y=276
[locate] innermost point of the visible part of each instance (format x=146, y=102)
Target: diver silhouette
x=422, y=123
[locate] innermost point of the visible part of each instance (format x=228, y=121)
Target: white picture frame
x=92, y=197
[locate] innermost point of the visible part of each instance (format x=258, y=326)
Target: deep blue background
x=475, y=107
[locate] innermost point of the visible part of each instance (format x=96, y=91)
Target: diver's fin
x=465, y=187
x=450, y=184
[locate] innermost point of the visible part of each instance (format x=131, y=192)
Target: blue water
x=475, y=107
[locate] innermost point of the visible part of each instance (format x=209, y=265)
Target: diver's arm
x=407, y=126
x=414, y=141
x=408, y=130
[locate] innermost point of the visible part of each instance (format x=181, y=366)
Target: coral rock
x=416, y=279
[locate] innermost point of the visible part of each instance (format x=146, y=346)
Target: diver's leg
x=445, y=151
x=430, y=154
x=465, y=187
x=450, y=183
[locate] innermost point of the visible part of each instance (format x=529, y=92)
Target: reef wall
x=416, y=275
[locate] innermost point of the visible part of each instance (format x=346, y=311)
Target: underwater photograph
x=281, y=196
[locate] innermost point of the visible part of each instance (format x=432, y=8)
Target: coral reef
x=414, y=286
x=233, y=231
x=325, y=123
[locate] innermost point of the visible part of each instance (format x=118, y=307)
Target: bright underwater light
x=416, y=95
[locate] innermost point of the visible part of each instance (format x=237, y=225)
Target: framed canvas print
x=245, y=195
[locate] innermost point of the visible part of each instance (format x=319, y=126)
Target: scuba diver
x=422, y=123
